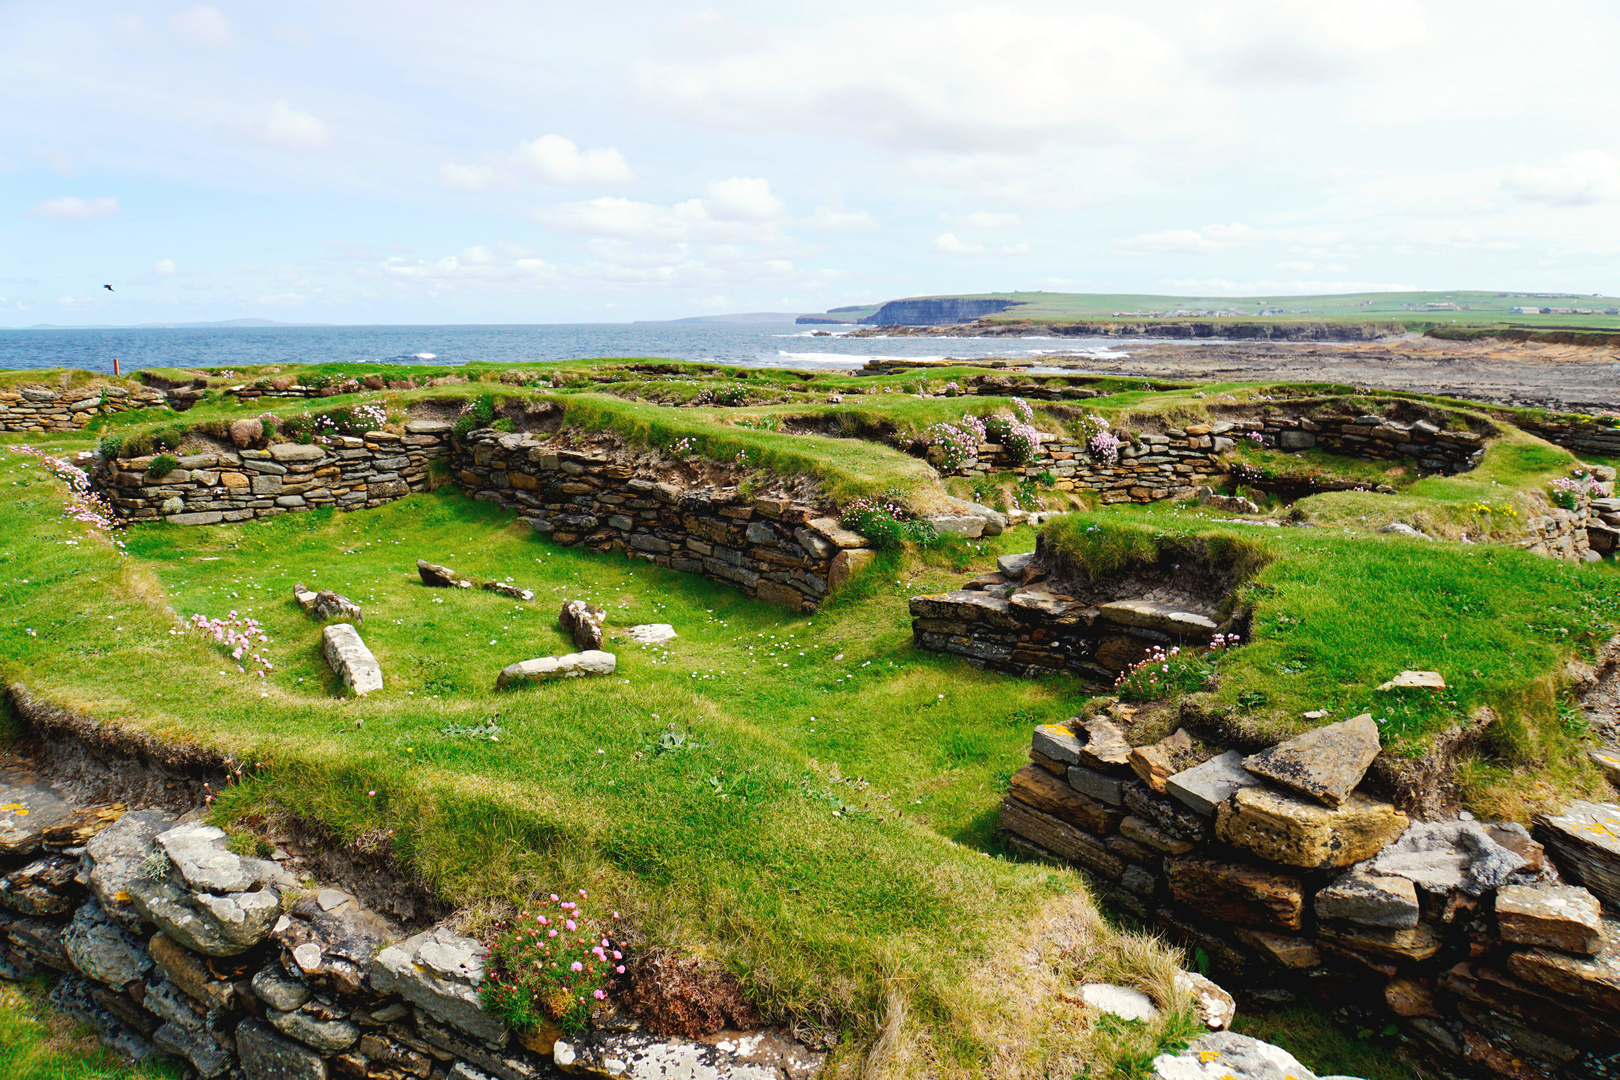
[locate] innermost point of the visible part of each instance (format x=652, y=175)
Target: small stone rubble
x=442, y=576
x=327, y=604
x=1475, y=939
x=582, y=622
x=169, y=944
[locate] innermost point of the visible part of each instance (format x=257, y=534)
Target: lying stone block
x=1105, y=747
x=205, y=923
x=349, y=658
x=43, y=887
x=115, y=859
x=652, y=633
x=1056, y=742
x=1240, y=893
x=1562, y=917
x=1216, y=1008
x=1060, y=838
x=267, y=1055
x=1300, y=954
x=583, y=622
x=1204, y=787
x=440, y=971
x=103, y=950
x=570, y=666
x=1096, y=785
x=1370, y=900
x=1414, y=943
x=1439, y=856
x=441, y=576
x=1156, y=763
x=203, y=863
x=1045, y=792
x=1592, y=981
x=1295, y=832
x=1585, y=842
x=1326, y=763
x=1164, y=618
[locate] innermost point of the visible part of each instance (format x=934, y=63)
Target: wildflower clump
x=1568, y=492
x=242, y=636
x=551, y=965
x=84, y=504
x=1172, y=672
x=885, y=522
x=1100, y=439
x=952, y=446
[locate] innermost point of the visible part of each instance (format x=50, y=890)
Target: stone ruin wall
x=38, y=409
x=775, y=549
x=1474, y=940
x=165, y=942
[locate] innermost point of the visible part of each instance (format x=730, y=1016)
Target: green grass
x=36, y=1043
x=1324, y=1048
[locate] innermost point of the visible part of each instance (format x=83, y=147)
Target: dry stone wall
x=1494, y=954
x=776, y=549
x=34, y=408
x=167, y=943
x=348, y=472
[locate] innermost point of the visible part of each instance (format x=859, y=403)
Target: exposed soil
x=1569, y=377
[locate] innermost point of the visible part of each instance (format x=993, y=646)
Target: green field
x=1411, y=309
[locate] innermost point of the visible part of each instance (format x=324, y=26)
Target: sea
x=756, y=345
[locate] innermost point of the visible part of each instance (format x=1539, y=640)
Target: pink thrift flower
x=576, y=966
x=617, y=955
x=554, y=898
x=582, y=894
x=601, y=996
x=551, y=933
x=571, y=925
x=620, y=968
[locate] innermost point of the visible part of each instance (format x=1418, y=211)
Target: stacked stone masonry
x=33, y=408
x=775, y=549
x=1493, y=953
x=349, y=472
x=1173, y=464
x=168, y=944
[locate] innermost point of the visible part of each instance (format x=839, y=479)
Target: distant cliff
x=935, y=312
x=1175, y=330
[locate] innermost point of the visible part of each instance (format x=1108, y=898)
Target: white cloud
x=1211, y=238
x=557, y=160
x=1582, y=179
x=504, y=263
x=837, y=220
x=296, y=132
x=164, y=268
x=743, y=198
x=205, y=26
x=73, y=208
x=948, y=244
x=1280, y=63
x=985, y=220
x=739, y=210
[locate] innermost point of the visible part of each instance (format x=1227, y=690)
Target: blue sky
x=408, y=162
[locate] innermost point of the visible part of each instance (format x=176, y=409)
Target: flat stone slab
x=115, y=860
x=1056, y=742
x=652, y=633
x=349, y=658
x=297, y=452
x=441, y=576
x=1591, y=980
x=1439, y=856
x=1120, y=1001
x=1045, y=792
x=1326, y=763
x=1105, y=747
x=1585, y=842
x=836, y=534
x=205, y=923
x=103, y=950
x=1370, y=900
x=268, y=1055
x=957, y=525
x=1013, y=565
x=1287, y=829
x=1204, y=787
x=639, y=1055
x=28, y=807
x=1166, y=618
x=1562, y=917
x=1105, y=789
x=203, y=863
x=570, y=666
x=440, y=972
x=1240, y=893
x=1226, y=1055
x=1422, y=680
x=1609, y=762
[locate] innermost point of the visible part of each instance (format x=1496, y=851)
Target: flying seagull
x=109, y=288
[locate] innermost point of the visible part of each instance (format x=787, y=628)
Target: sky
x=523, y=162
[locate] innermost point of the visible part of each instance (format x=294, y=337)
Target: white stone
x=350, y=659
x=1123, y=1002
x=652, y=633
x=573, y=665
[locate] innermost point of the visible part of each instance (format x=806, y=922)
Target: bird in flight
x=109, y=288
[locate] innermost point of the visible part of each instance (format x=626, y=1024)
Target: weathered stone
x=349, y=658
x=1439, y=856
x=43, y=887
x=1325, y=763
x=115, y=859
x=1156, y=763
x=569, y=666
x=1204, y=787
x=1060, y=838
x=103, y=950
x=199, y=1046
x=1013, y=566
x=190, y=974
x=1104, y=747
x=1411, y=943
x=1300, y=954
x=652, y=633
x=1105, y=789
x=1237, y=892
x=440, y=971
x=37, y=943
x=329, y=1036
x=1562, y=917
x=204, y=864
x=1165, y=618
x=76, y=998
x=273, y=986
x=326, y=604
x=1165, y=813
x=213, y=925
x=1057, y=742
x=245, y=433
x=1416, y=680
x=640, y=1054
x=267, y=1055
x=331, y=948
x=441, y=576
x=1585, y=842
x=965, y=525
x=28, y=807
x=584, y=623
x=1290, y=830
x=1120, y=1001
x=847, y=565
x=1216, y=1008
x=1226, y=1055
x=1150, y=835
x=1370, y=900
x=1045, y=792
x=503, y=1064
x=1401, y=528
x=286, y=452
x=82, y=824
x=835, y=533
